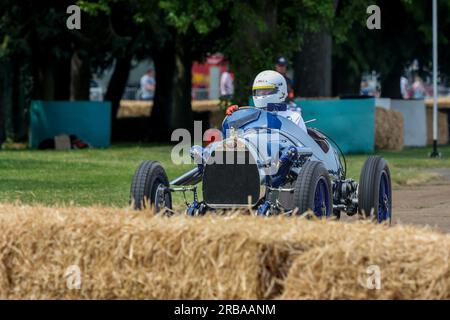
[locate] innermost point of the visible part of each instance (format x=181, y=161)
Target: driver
x=270, y=87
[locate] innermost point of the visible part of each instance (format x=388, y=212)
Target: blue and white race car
x=267, y=163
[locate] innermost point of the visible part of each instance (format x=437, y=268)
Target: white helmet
x=269, y=87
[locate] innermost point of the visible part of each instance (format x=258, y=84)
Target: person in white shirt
x=226, y=84
x=148, y=85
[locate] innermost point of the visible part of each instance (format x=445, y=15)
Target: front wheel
x=150, y=186
x=313, y=190
x=375, y=191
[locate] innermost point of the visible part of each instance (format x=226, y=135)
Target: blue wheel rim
x=322, y=199
x=384, y=199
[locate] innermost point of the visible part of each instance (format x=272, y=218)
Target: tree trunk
x=2, y=126
x=5, y=98
x=15, y=86
x=182, y=116
x=117, y=84
x=48, y=81
x=172, y=107
x=160, y=119
x=18, y=115
x=43, y=80
x=390, y=84
x=7, y=101
x=251, y=43
x=312, y=66
x=63, y=79
x=345, y=80
x=80, y=76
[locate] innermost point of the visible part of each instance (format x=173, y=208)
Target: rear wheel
x=313, y=190
x=150, y=186
x=375, y=191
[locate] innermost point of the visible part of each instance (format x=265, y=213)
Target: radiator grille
x=231, y=179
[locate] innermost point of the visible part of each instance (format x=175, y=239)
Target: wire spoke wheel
x=321, y=199
x=375, y=190
x=313, y=190
x=149, y=187
x=162, y=199
x=384, y=199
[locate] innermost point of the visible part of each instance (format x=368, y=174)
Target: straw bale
x=127, y=255
x=411, y=266
x=443, y=102
x=388, y=129
x=142, y=108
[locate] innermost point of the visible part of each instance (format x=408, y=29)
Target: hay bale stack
x=205, y=105
x=142, y=108
x=443, y=102
x=134, y=108
x=343, y=270
x=126, y=255
x=123, y=257
x=388, y=129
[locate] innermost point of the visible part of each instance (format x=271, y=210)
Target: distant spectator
x=365, y=88
x=226, y=83
x=148, y=85
x=281, y=67
x=418, y=88
x=404, y=87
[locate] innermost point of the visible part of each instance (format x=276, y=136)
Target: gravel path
x=427, y=204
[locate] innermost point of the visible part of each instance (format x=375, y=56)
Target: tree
x=112, y=38
x=312, y=64
x=263, y=30
x=316, y=72
x=34, y=42
x=179, y=32
x=193, y=29
x=405, y=35
x=348, y=61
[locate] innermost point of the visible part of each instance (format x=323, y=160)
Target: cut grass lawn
x=103, y=177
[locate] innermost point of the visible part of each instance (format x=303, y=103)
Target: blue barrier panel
x=88, y=120
x=350, y=122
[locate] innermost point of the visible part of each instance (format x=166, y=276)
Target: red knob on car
x=212, y=135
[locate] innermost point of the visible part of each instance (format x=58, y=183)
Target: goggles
x=265, y=90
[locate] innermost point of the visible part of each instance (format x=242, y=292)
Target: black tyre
x=375, y=191
x=313, y=190
x=149, y=186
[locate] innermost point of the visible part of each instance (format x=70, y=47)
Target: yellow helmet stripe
x=264, y=87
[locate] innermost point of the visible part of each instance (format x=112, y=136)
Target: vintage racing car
x=267, y=163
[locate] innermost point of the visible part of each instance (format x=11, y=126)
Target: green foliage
x=23, y=24
x=405, y=35
x=350, y=16
x=421, y=18
x=94, y=8
x=263, y=30
x=250, y=33
x=201, y=15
